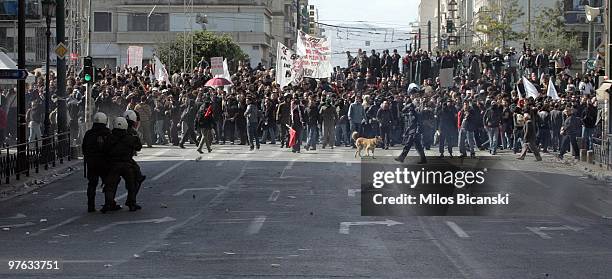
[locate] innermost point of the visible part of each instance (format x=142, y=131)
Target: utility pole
x=608, y=16
x=21, y=87
x=299, y=15
x=439, y=23
x=429, y=35
x=60, y=23
x=88, y=101
x=529, y=19
x=419, y=39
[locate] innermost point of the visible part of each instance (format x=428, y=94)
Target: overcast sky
x=394, y=15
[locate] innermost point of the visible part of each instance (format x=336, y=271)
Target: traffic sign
x=13, y=74
x=444, y=37
x=61, y=50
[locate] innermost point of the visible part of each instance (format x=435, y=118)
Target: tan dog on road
x=367, y=144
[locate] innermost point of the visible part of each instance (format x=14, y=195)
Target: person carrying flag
x=205, y=122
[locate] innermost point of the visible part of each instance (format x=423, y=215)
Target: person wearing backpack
x=205, y=123
x=519, y=123
x=544, y=125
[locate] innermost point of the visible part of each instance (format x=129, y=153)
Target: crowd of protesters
x=485, y=108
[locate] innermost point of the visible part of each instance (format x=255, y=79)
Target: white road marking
x=256, y=224
x=345, y=226
x=156, y=221
x=458, y=230
x=68, y=194
x=288, y=167
x=351, y=192
x=17, y=216
x=27, y=224
x=168, y=170
x=67, y=221
x=219, y=164
x=121, y=196
x=152, y=156
x=348, y=164
x=540, y=230
x=219, y=187
x=587, y=209
x=274, y=195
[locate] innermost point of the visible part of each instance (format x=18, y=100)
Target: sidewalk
x=594, y=171
x=38, y=180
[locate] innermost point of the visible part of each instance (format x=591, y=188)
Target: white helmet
x=100, y=118
x=130, y=115
x=121, y=123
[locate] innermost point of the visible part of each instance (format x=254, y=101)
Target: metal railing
x=22, y=159
x=602, y=151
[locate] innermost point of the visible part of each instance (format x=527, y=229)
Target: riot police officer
x=120, y=149
x=95, y=158
x=132, y=118
x=413, y=131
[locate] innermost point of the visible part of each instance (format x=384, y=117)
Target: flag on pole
x=160, y=71
x=530, y=89
x=552, y=91
x=518, y=91
x=292, y=136
x=226, y=73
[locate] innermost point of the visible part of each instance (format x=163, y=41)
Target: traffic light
x=88, y=70
x=450, y=26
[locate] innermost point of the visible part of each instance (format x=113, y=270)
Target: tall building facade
x=465, y=15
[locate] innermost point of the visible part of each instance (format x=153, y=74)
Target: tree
x=205, y=44
x=497, y=23
x=551, y=33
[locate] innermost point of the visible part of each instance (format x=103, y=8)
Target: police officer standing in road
x=95, y=158
x=413, y=131
x=132, y=118
x=120, y=149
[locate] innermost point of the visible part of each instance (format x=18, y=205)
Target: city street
x=271, y=213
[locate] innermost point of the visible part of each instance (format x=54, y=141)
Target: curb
x=38, y=181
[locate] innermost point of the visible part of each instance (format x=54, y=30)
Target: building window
x=584, y=40
x=102, y=22
x=137, y=22
x=159, y=22
x=156, y=22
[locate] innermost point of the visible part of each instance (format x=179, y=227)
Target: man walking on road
x=412, y=134
x=205, y=122
x=529, y=139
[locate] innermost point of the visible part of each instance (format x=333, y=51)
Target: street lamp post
x=49, y=12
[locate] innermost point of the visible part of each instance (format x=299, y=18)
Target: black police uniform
x=96, y=161
x=120, y=150
x=413, y=131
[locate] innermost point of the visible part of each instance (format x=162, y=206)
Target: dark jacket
x=571, y=126
x=446, y=118
x=589, y=117
x=412, y=122
x=530, y=131
x=312, y=118
x=385, y=117
x=556, y=119
x=283, y=113
x=492, y=117
x=121, y=146
x=94, y=142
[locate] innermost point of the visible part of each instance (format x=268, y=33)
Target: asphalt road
x=271, y=213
